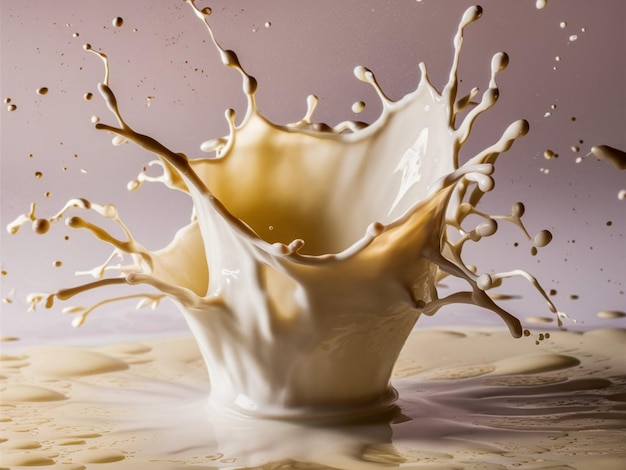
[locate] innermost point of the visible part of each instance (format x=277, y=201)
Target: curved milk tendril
x=312, y=250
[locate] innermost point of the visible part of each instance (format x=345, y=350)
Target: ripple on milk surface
x=469, y=399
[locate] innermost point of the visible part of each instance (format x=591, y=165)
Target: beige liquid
x=312, y=250
x=468, y=400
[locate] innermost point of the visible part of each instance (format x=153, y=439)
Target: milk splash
x=313, y=250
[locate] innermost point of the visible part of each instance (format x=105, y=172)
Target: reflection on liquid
x=468, y=400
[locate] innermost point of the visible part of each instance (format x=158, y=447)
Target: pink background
x=162, y=51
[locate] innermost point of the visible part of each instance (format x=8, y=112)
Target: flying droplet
x=358, y=106
x=118, y=22
x=549, y=154
x=609, y=314
x=542, y=238
x=518, y=209
x=42, y=91
x=41, y=226
x=615, y=156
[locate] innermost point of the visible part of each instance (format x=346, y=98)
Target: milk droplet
x=563, y=24
x=621, y=195
x=41, y=226
x=57, y=264
x=539, y=4
x=118, y=140
x=573, y=37
x=268, y=24
x=118, y=22
x=615, y=156
x=133, y=185
x=539, y=320
x=488, y=228
x=484, y=282
x=88, y=96
x=610, y=314
x=42, y=91
x=549, y=154
x=38, y=174
x=75, y=35
x=358, y=106
x=518, y=209
x=7, y=100
x=11, y=107
x=542, y=238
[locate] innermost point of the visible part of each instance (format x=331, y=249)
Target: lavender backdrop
x=171, y=85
